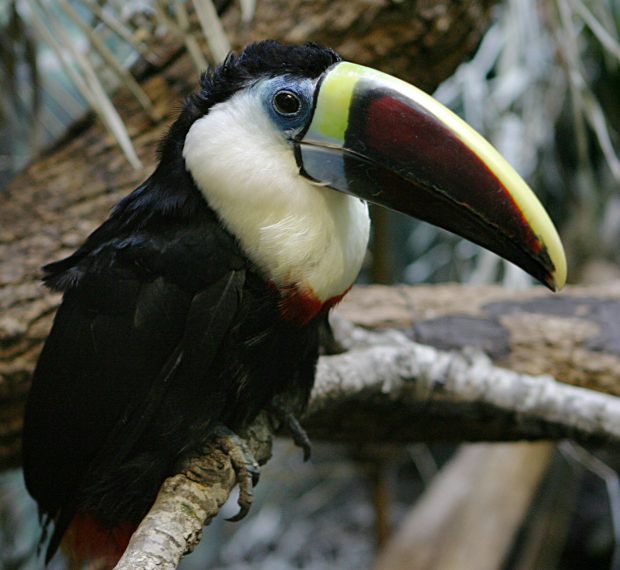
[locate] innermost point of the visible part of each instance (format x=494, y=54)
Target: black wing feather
x=136, y=308
x=165, y=329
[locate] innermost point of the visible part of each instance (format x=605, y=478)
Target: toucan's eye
x=286, y=103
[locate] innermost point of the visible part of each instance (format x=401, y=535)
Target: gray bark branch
x=187, y=502
x=430, y=394
x=386, y=369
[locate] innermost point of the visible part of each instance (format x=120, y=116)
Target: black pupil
x=287, y=103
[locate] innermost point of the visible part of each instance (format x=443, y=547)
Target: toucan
x=199, y=301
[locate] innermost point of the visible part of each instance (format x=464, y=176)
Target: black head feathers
x=268, y=58
x=170, y=191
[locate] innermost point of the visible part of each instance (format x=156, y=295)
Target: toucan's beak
x=379, y=138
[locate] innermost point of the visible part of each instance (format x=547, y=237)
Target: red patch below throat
x=302, y=305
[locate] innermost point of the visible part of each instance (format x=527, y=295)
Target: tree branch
x=429, y=394
x=382, y=371
x=188, y=501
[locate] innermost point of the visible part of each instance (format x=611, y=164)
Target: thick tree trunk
x=421, y=41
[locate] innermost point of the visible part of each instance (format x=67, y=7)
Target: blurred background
x=539, y=78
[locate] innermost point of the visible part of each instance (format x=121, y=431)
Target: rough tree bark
x=421, y=41
x=417, y=392
x=572, y=336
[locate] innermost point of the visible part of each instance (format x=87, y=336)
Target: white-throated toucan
x=200, y=298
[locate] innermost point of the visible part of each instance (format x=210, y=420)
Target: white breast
x=296, y=232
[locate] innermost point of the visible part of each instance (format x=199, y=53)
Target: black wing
x=137, y=307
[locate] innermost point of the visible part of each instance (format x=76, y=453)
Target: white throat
x=298, y=233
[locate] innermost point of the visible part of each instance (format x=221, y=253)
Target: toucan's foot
x=288, y=419
x=243, y=463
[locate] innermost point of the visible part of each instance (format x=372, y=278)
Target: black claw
x=245, y=467
x=243, y=511
x=300, y=437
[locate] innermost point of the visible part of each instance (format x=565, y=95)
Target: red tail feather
x=87, y=542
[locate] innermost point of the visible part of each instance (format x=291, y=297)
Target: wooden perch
x=571, y=336
x=387, y=388
x=188, y=501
